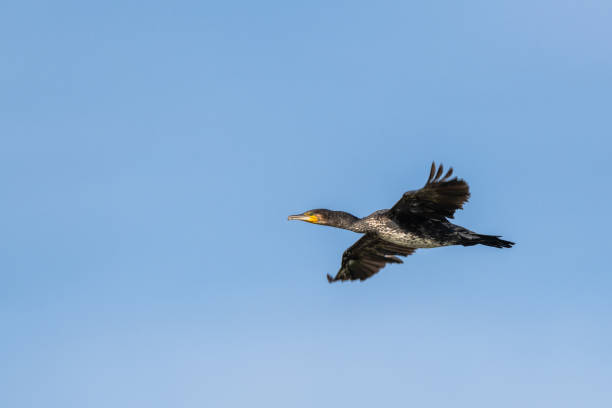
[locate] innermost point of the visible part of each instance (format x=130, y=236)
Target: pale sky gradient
x=151, y=152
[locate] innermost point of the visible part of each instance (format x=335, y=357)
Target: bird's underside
x=417, y=220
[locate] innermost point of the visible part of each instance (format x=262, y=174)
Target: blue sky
x=151, y=151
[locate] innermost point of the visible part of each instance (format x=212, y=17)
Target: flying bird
x=418, y=220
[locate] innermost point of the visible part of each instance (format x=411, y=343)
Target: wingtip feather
x=431, y=172
x=439, y=173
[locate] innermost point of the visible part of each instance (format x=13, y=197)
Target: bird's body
x=417, y=220
x=426, y=235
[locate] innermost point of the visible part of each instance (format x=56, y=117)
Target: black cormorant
x=417, y=220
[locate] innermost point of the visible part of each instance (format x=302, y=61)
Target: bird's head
x=322, y=216
x=318, y=216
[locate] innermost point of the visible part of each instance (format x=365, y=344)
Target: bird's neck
x=344, y=220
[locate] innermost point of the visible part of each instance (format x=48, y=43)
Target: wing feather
x=438, y=199
x=367, y=256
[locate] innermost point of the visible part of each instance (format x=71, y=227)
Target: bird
x=418, y=220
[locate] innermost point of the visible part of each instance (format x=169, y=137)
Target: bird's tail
x=488, y=240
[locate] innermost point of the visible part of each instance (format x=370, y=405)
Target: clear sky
x=151, y=152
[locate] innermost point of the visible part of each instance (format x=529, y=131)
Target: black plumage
x=367, y=256
x=418, y=220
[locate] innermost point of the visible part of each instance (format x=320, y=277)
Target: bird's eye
x=309, y=213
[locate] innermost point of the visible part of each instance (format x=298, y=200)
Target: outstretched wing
x=367, y=256
x=438, y=199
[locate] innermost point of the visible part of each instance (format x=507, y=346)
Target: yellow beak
x=302, y=217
